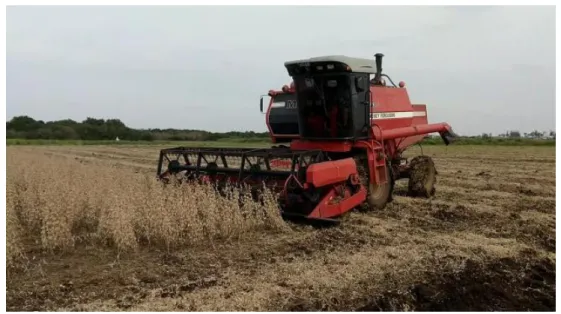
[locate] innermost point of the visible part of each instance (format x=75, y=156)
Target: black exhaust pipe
x=378, y=76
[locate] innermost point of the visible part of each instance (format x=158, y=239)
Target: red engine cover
x=330, y=172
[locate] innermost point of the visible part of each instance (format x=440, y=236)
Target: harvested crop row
x=147, y=248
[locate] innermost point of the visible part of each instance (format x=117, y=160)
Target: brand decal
x=291, y=104
x=397, y=115
x=383, y=115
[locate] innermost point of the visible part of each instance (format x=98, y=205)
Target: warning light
x=402, y=84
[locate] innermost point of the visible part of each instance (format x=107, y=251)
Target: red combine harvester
x=348, y=152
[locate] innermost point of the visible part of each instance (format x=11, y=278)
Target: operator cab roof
x=359, y=65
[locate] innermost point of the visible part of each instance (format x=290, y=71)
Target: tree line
x=25, y=127
x=534, y=134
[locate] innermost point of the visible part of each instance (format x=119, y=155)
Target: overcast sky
x=481, y=69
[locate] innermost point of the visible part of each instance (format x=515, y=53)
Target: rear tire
x=422, y=177
x=378, y=195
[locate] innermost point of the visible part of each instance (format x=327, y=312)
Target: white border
x=246, y=2
x=281, y=2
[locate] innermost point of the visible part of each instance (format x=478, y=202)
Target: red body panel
x=420, y=119
x=417, y=120
x=327, y=208
x=398, y=123
x=330, y=172
x=390, y=99
x=392, y=109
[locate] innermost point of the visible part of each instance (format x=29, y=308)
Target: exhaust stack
x=378, y=75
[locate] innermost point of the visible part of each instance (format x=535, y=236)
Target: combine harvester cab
x=352, y=131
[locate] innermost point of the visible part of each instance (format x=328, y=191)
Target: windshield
x=319, y=94
x=324, y=105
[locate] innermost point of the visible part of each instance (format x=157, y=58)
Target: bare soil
x=484, y=242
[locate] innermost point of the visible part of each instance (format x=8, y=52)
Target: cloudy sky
x=481, y=69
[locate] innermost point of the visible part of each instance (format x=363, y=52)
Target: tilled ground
x=486, y=241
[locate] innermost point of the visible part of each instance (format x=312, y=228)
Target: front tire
x=422, y=177
x=378, y=195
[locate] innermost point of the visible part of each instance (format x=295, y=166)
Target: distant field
x=227, y=143
x=259, y=142
x=88, y=228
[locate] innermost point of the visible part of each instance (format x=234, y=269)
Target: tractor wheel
x=422, y=177
x=378, y=195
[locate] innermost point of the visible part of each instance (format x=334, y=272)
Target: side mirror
x=359, y=84
x=261, y=104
